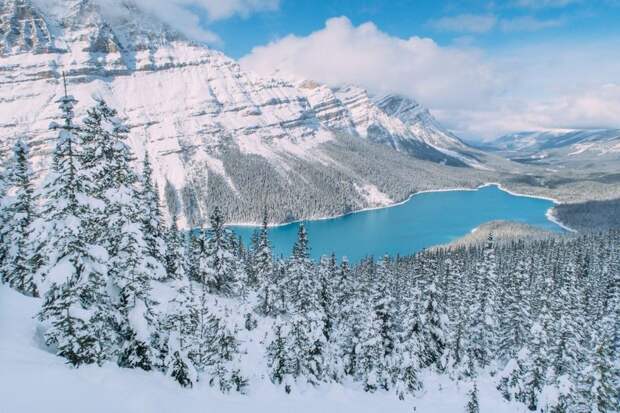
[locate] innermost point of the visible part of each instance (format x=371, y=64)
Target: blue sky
x=483, y=68
x=445, y=22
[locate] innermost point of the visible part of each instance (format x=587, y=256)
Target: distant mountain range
x=216, y=134
x=560, y=148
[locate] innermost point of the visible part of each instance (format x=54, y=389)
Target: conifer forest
x=120, y=283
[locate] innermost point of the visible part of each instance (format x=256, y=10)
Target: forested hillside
x=539, y=320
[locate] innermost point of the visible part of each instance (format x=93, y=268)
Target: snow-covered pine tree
x=219, y=264
x=223, y=358
x=433, y=328
x=378, y=338
x=4, y=221
x=262, y=254
x=473, y=405
x=302, y=287
x=598, y=387
x=21, y=259
x=111, y=161
x=482, y=327
x=151, y=220
x=531, y=373
x=277, y=357
x=136, y=321
x=175, y=259
x=73, y=271
x=569, y=327
x=263, y=270
x=176, y=330
x=328, y=280
x=211, y=346
x=513, y=330
x=304, y=321
x=407, y=352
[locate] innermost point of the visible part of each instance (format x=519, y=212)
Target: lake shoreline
x=549, y=214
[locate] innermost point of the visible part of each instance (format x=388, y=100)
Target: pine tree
x=151, y=223
x=5, y=225
x=263, y=268
x=433, y=329
x=473, y=406
x=378, y=339
x=175, y=260
x=598, y=389
x=73, y=273
x=535, y=362
x=328, y=273
x=407, y=353
x=482, y=318
x=302, y=287
x=120, y=233
x=513, y=330
x=223, y=360
x=219, y=265
x=277, y=358
x=21, y=214
x=305, y=321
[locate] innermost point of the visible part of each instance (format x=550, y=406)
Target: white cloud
x=541, y=4
x=181, y=14
x=342, y=53
x=178, y=13
x=552, y=85
x=223, y=9
x=529, y=24
x=465, y=23
x=478, y=24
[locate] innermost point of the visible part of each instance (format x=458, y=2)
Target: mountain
x=594, y=147
x=216, y=133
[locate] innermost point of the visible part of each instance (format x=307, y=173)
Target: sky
x=483, y=68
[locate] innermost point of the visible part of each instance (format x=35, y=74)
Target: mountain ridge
x=190, y=107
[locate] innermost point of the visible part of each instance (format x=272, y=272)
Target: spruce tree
x=151, y=223
x=483, y=312
x=74, y=271
x=175, y=259
x=21, y=258
x=473, y=405
x=219, y=265
x=513, y=330
x=277, y=358
x=378, y=340
x=433, y=329
x=5, y=226
x=305, y=321
x=263, y=269
x=120, y=234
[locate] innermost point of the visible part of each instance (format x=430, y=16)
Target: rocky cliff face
x=198, y=114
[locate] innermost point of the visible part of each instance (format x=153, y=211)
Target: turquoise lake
x=424, y=220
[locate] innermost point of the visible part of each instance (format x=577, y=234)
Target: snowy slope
x=32, y=379
x=186, y=103
x=563, y=146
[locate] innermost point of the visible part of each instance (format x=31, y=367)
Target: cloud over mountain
x=476, y=93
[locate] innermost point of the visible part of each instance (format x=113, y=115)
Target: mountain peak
x=202, y=119
x=23, y=28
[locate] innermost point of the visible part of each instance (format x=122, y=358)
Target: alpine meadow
x=371, y=207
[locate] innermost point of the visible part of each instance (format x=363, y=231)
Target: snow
x=34, y=380
x=183, y=101
x=374, y=196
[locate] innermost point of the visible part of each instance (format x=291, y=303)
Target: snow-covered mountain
x=209, y=126
x=564, y=146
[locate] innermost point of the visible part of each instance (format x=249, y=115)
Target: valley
x=180, y=233
x=424, y=220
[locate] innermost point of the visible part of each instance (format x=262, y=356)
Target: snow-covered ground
x=34, y=380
